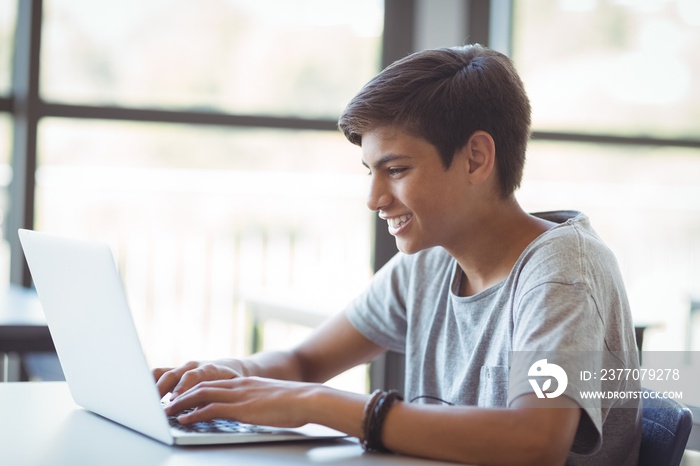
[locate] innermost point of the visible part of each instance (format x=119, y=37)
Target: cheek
x=432, y=198
x=443, y=206
x=431, y=208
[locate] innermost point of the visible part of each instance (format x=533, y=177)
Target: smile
x=397, y=223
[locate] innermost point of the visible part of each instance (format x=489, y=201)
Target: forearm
x=459, y=434
x=282, y=365
x=333, y=348
x=471, y=435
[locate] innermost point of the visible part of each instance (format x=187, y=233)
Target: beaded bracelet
x=377, y=412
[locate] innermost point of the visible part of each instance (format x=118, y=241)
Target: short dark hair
x=444, y=96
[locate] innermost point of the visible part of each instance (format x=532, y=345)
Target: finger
x=188, y=380
x=223, y=400
x=159, y=371
x=208, y=412
x=200, y=397
x=170, y=378
x=166, y=382
x=195, y=376
x=203, y=373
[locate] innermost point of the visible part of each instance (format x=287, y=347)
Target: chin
x=408, y=248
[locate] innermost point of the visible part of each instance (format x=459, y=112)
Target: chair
x=666, y=426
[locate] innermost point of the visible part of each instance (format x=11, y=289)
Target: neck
x=494, y=240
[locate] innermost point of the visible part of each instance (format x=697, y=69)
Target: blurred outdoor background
x=266, y=206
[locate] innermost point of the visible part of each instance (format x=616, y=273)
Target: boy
x=443, y=134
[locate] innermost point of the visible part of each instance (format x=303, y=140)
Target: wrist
x=318, y=401
x=235, y=365
x=375, y=413
x=340, y=410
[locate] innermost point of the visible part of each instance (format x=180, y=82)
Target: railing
x=191, y=245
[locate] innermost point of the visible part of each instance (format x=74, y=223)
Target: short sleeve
x=379, y=313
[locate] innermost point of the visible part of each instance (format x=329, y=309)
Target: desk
x=22, y=324
x=40, y=426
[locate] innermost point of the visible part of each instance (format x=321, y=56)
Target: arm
x=332, y=348
x=523, y=434
x=520, y=435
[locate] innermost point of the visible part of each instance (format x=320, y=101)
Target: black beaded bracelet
x=375, y=420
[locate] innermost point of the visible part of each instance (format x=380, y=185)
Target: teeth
x=398, y=221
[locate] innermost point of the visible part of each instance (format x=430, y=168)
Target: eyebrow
x=385, y=159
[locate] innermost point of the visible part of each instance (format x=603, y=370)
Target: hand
x=252, y=400
x=179, y=380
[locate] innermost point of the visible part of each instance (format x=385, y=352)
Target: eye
x=395, y=171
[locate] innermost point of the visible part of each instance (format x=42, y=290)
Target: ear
x=480, y=156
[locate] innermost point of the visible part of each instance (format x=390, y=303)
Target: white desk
x=41, y=426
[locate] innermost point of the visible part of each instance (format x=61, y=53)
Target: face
x=424, y=204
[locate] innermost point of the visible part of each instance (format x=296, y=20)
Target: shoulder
x=571, y=251
x=573, y=230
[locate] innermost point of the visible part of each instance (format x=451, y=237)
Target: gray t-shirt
x=564, y=294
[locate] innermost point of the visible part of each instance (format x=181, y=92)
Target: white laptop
x=86, y=309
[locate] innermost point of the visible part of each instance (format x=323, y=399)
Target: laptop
x=90, y=322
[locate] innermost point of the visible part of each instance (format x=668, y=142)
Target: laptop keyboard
x=218, y=426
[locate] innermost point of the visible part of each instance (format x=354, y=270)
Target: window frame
x=6, y=105
x=27, y=107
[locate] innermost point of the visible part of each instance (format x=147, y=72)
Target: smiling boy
x=443, y=134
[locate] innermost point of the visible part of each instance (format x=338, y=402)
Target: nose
x=379, y=196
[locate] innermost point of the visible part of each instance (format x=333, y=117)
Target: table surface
x=40, y=425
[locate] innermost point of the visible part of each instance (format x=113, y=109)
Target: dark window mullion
x=25, y=106
x=613, y=139
x=183, y=117
x=6, y=104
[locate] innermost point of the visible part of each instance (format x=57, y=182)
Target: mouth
x=396, y=224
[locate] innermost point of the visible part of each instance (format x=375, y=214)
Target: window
x=200, y=142
x=243, y=56
x=622, y=67
x=204, y=218
x=615, y=93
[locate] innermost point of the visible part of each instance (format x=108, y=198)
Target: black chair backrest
x=665, y=431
